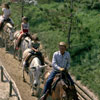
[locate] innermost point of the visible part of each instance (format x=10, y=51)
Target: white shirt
x=60, y=60
x=6, y=13
x=25, y=26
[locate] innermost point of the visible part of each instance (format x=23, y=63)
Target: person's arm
x=21, y=27
x=34, y=49
x=54, y=62
x=68, y=62
x=3, y=11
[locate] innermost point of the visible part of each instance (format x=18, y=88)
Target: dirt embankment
x=14, y=68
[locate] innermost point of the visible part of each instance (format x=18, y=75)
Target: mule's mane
x=36, y=62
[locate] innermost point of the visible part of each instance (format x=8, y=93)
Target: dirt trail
x=4, y=89
x=14, y=69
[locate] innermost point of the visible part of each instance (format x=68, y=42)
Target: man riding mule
x=60, y=63
x=4, y=18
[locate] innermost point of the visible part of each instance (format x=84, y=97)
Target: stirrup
x=71, y=87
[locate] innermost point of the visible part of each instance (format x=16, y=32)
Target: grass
x=85, y=36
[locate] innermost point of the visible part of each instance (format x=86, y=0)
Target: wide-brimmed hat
x=25, y=18
x=62, y=44
x=35, y=38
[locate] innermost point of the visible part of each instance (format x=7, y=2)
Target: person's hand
x=61, y=69
x=66, y=71
x=36, y=50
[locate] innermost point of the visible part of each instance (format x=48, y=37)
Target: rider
x=34, y=51
x=60, y=62
x=5, y=13
x=24, y=31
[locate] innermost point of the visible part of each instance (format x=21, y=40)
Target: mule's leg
x=31, y=74
x=14, y=53
x=2, y=35
x=20, y=54
x=5, y=42
x=38, y=89
x=14, y=42
x=31, y=77
x=23, y=75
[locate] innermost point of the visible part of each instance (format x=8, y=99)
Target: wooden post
x=1, y=74
x=10, y=90
x=70, y=26
x=22, y=8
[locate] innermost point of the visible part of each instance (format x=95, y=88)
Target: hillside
x=51, y=22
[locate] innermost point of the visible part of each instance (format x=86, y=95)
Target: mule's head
x=36, y=76
x=37, y=71
x=66, y=91
x=10, y=29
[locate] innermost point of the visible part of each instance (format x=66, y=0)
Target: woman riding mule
x=34, y=52
x=60, y=63
x=5, y=15
x=24, y=31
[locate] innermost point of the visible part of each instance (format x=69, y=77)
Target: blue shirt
x=60, y=60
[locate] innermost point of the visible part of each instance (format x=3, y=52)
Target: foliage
x=51, y=22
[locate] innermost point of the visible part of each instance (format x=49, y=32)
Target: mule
x=25, y=43
x=35, y=70
x=60, y=89
x=7, y=34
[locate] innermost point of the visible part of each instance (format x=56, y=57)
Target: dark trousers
x=50, y=80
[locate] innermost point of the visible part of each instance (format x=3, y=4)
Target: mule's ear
x=45, y=65
x=42, y=66
x=15, y=27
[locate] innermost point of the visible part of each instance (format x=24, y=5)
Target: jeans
x=50, y=80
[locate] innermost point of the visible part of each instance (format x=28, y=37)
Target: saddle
x=30, y=60
x=58, y=77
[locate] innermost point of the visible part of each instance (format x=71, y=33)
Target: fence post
x=10, y=91
x=1, y=74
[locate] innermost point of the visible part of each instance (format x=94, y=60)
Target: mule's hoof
x=24, y=80
x=20, y=59
x=14, y=57
x=32, y=93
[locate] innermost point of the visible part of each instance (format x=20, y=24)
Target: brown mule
x=60, y=90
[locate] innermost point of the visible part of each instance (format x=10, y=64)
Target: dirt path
x=15, y=70
x=4, y=89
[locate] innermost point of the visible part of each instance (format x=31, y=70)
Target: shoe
x=43, y=97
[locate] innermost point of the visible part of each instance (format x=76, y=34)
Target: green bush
x=51, y=23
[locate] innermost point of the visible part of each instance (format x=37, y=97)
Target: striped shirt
x=60, y=60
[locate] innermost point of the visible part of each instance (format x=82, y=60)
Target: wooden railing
x=12, y=84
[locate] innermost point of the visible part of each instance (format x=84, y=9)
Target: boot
x=44, y=97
